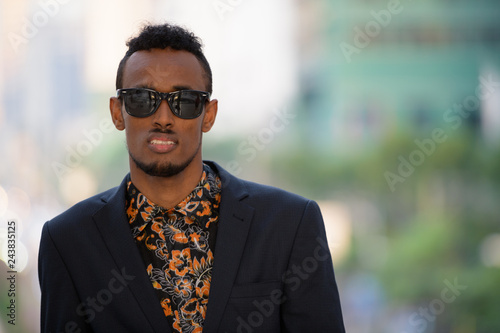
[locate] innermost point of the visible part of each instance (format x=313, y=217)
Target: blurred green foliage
x=435, y=221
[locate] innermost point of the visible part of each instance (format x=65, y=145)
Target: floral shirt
x=177, y=247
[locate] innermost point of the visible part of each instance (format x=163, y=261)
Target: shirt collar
x=206, y=192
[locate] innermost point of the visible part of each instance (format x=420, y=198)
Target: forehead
x=163, y=69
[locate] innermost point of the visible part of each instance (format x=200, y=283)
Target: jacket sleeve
x=311, y=301
x=60, y=300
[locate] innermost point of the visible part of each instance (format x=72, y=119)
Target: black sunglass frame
x=169, y=97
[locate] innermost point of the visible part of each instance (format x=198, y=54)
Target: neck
x=167, y=192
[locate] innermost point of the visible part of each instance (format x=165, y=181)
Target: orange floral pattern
x=176, y=245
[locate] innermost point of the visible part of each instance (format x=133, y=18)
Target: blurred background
x=385, y=112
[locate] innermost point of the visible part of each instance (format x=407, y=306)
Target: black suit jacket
x=272, y=268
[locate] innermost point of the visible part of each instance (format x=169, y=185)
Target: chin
x=161, y=169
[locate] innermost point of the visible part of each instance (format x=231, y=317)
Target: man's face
x=163, y=144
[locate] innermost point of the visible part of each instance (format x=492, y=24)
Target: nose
x=163, y=117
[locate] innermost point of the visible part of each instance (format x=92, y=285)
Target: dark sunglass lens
x=187, y=104
x=140, y=103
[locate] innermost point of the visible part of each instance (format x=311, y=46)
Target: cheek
x=133, y=133
x=199, y=131
x=191, y=137
x=194, y=129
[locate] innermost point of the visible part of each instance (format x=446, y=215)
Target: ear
x=210, y=115
x=115, y=107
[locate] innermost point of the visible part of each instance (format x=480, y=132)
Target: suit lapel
x=112, y=222
x=234, y=223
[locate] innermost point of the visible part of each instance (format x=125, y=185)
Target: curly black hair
x=162, y=36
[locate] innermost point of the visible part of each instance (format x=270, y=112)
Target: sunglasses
x=142, y=102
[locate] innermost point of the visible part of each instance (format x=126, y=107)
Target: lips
x=161, y=143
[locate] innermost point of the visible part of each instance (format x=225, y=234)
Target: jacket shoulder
x=256, y=193
x=272, y=194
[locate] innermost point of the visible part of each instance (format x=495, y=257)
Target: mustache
x=162, y=130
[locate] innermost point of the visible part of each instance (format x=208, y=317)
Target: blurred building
x=372, y=67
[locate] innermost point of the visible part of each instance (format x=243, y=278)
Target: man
x=181, y=245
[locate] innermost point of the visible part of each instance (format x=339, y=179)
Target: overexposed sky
x=249, y=44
